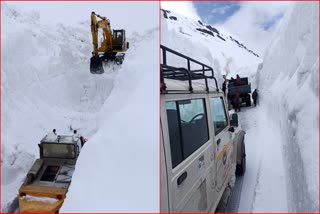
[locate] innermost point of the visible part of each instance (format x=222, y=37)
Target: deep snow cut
x=46, y=84
x=282, y=133
x=290, y=90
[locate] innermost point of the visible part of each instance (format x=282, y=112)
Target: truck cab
x=202, y=147
x=49, y=178
x=119, y=43
x=243, y=89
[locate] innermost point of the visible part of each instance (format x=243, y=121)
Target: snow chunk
x=41, y=199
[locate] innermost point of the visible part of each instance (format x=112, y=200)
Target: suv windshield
x=58, y=150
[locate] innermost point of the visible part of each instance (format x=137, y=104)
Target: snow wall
x=289, y=88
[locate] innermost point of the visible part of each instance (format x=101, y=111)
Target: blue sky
x=215, y=12
x=252, y=23
x=271, y=22
x=219, y=12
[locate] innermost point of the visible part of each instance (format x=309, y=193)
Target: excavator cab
x=119, y=40
x=112, y=47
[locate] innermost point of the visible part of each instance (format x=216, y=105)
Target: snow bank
x=41, y=199
x=288, y=84
x=118, y=168
x=46, y=84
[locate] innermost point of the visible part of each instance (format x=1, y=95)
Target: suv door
x=223, y=140
x=189, y=154
x=164, y=197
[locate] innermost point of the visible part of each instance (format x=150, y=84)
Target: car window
x=219, y=114
x=188, y=127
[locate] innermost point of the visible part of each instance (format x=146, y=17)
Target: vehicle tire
x=248, y=101
x=241, y=168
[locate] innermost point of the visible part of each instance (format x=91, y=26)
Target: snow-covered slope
x=203, y=42
x=289, y=88
x=46, y=84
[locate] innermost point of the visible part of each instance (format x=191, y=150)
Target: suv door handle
x=218, y=141
x=182, y=177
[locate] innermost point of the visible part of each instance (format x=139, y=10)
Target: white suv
x=201, y=148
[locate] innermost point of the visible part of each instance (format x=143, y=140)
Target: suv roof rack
x=184, y=74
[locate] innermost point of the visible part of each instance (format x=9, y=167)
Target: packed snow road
x=269, y=183
x=263, y=186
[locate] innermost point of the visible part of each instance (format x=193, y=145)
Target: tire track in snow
x=240, y=188
x=271, y=190
x=248, y=121
x=234, y=201
x=264, y=183
x=256, y=186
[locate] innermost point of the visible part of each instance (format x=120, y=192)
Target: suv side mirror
x=234, y=120
x=231, y=129
x=40, y=150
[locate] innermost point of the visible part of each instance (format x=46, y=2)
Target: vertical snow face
x=46, y=84
x=288, y=84
x=118, y=168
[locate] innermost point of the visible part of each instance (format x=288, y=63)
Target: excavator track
x=96, y=62
x=119, y=58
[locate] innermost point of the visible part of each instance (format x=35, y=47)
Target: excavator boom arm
x=104, y=24
x=94, y=31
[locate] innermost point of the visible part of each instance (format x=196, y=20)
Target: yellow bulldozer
x=112, y=46
x=48, y=180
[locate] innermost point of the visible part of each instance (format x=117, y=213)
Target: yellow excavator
x=112, y=47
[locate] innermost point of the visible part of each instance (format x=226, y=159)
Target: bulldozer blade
x=96, y=66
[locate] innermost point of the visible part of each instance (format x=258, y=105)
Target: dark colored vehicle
x=243, y=89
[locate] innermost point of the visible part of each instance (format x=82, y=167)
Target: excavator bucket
x=96, y=66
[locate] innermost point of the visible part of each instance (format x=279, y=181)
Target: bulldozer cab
x=60, y=147
x=47, y=182
x=58, y=150
x=119, y=38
